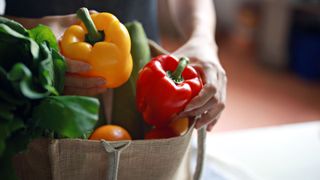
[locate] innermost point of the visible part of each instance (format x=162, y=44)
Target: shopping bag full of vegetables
x=139, y=141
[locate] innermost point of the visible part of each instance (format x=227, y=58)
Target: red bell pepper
x=164, y=87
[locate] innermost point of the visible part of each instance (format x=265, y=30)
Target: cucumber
x=124, y=111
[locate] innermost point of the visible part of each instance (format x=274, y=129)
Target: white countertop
x=286, y=152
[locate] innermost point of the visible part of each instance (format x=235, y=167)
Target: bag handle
x=201, y=146
x=114, y=149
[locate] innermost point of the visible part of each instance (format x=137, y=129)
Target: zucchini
x=124, y=111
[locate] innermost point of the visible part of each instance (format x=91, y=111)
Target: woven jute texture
x=82, y=159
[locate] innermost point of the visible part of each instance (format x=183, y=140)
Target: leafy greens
x=32, y=80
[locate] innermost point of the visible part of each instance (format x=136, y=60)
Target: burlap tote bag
x=68, y=159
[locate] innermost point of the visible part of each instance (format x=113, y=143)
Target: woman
x=195, y=19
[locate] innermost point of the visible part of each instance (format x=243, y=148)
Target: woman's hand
x=210, y=102
x=80, y=85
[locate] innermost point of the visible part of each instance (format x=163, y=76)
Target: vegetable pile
x=32, y=80
x=146, y=93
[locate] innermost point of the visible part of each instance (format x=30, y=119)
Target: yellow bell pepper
x=103, y=42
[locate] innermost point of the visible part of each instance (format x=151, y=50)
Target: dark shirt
x=144, y=11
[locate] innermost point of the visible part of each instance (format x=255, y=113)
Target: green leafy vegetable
x=14, y=25
x=60, y=68
x=21, y=78
x=8, y=35
x=73, y=117
x=42, y=34
x=31, y=79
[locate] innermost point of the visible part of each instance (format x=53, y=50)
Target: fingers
x=207, y=92
x=200, y=110
x=84, y=92
x=210, y=115
x=75, y=81
x=209, y=103
x=74, y=66
x=210, y=100
x=84, y=86
x=211, y=125
x=213, y=85
x=93, y=12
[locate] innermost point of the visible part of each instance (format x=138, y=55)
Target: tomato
x=110, y=133
x=180, y=126
x=176, y=128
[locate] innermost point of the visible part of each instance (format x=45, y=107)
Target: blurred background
x=270, y=129
x=270, y=50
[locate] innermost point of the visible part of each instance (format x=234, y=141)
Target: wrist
x=203, y=40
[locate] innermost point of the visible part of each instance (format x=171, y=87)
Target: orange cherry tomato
x=180, y=126
x=110, y=133
x=175, y=128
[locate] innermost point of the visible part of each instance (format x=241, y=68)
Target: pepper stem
x=176, y=75
x=93, y=35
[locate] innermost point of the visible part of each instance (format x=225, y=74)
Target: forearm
x=196, y=21
x=194, y=18
x=57, y=23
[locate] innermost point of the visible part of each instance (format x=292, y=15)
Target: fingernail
x=180, y=115
x=209, y=128
x=198, y=125
x=188, y=108
x=85, y=67
x=101, y=82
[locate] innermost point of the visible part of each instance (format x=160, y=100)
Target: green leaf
x=16, y=48
x=7, y=128
x=21, y=76
x=17, y=142
x=70, y=116
x=8, y=98
x=46, y=70
x=2, y=146
x=5, y=114
x=60, y=68
x=42, y=33
x=8, y=35
x=14, y=25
